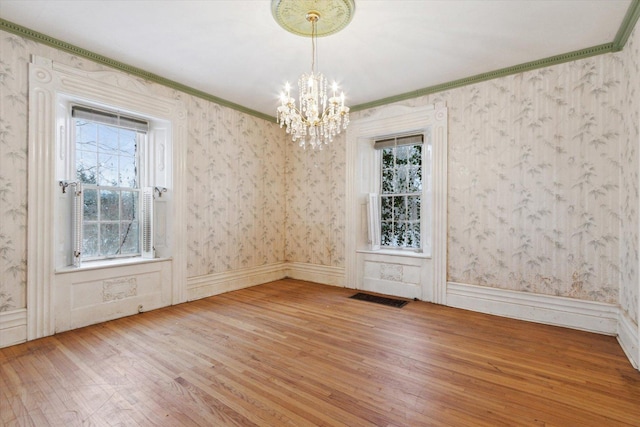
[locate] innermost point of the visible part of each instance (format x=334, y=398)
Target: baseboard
x=13, y=327
x=628, y=336
x=322, y=274
x=218, y=283
x=548, y=309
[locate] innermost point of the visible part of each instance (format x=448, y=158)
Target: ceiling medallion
x=291, y=15
x=318, y=119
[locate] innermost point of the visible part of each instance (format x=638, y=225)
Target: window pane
x=415, y=155
x=86, y=166
x=386, y=211
x=402, y=155
x=90, y=209
x=86, y=137
x=412, y=234
x=388, y=182
x=108, y=170
x=130, y=238
x=109, y=205
x=413, y=208
x=89, y=240
x=414, y=179
x=400, y=208
x=128, y=142
x=398, y=234
x=109, y=239
x=128, y=174
x=108, y=137
x=401, y=179
x=386, y=235
x=129, y=205
x=388, y=158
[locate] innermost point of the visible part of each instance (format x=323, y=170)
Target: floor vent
x=380, y=300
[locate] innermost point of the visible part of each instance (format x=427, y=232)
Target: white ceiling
x=234, y=50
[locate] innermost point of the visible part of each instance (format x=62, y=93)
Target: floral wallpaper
x=630, y=202
x=236, y=171
x=315, y=203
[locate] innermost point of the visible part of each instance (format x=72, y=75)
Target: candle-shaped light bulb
x=287, y=87
x=334, y=87
x=342, y=98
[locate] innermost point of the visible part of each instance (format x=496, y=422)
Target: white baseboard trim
x=13, y=327
x=218, y=283
x=548, y=309
x=628, y=336
x=322, y=274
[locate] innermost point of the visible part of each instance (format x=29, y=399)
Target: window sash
x=99, y=222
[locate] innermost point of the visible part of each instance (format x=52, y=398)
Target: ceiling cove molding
x=58, y=44
x=516, y=69
x=627, y=26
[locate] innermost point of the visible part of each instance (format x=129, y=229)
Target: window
x=107, y=167
x=401, y=191
x=398, y=208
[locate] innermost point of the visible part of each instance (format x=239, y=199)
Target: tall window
x=401, y=191
x=107, y=164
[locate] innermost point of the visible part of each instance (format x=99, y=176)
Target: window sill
x=391, y=252
x=108, y=263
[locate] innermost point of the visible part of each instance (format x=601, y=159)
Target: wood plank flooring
x=293, y=353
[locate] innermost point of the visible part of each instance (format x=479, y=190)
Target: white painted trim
x=13, y=327
x=48, y=82
x=323, y=274
x=548, y=309
x=218, y=283
x=628, y=334
x=389, y=120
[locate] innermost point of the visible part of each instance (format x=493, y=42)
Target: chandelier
x=319, y=117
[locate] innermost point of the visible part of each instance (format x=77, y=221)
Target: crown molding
x=478, y=78
x=67, y=47
x=627, y=26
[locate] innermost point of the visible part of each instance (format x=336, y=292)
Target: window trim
x=49, y=81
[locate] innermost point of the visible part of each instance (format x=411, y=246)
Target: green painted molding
x=516, y=69
x=67, y=47
x=627, y=26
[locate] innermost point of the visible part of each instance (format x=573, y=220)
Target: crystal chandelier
x=319, y=118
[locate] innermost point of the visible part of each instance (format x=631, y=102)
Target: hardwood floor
x=296, y=353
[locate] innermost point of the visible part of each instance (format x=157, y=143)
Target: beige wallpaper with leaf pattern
x=543, y=182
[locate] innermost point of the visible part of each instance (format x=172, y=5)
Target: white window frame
x=361, y=167
x=375, y=200
x=68, y=226
x=49, y=82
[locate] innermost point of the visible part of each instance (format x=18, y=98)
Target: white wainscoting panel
x=559, y=311
x=13, y=327
x=93, y=296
